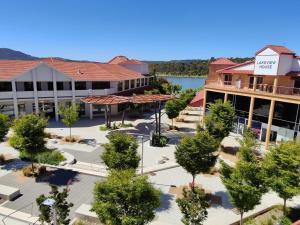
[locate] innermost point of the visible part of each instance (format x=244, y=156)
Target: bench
x=8, y=193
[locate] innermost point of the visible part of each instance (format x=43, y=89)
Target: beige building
x=40, y=86
x=265, y=92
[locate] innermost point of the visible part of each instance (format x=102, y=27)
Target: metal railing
x=264, y=87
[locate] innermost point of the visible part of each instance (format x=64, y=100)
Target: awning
x=135, y=99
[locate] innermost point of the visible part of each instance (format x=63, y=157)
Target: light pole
x=50, y=202
x=142, y=166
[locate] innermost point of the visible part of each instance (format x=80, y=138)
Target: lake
x=187, y=82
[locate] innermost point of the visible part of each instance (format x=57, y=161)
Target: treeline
x=186, y=67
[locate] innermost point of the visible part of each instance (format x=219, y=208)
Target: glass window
x=60, y=86
x=28, y=86
x=5, y=86
x=132, y=84
x=100, y=85
x=50, y=86
x=126, y=84
x=146, y=81
x=143, y=82
x=138, y=82
x=120, y=86
x=81, y=85
x=227, y=79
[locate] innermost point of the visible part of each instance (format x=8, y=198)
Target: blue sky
x=148, y=29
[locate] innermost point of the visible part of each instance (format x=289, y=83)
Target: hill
x=6, y=53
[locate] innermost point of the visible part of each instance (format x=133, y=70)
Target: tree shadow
x=59, y=177
x=15, y=165
x=225, y=200
x=165, y=200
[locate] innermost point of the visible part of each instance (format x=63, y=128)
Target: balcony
x=6, y=95
x=263, y=89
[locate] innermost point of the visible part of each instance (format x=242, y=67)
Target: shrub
x=126, y=125
x=42, y=170
x=50, y=157
x=4, y=125
x=28, y=172
x=70, y=139
x=2, y=158
x=159, y=142
x=285, y=221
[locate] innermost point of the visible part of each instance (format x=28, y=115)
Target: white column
x=55, y=95
x=73, y=92
x=14, y=89
x=91, y=111
x=35, y=93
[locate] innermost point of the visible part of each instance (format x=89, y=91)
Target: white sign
x=266, y=65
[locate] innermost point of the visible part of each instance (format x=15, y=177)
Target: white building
x=42, y=85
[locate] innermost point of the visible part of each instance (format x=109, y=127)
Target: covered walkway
x=110, y=100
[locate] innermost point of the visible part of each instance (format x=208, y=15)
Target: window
x=120, y=86
x=227, y=79
x=44, y=86
x=259, y=82
x=146, y=81
x=28, y=86
x=81, y=85
x=50, y=86
x=64, y=86
x=100, y=85
x=126, y=84
x=143, y=82
x=138, y=82
x=5, y=86
x=132, y=84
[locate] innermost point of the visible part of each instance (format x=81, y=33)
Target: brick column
x=275, y=85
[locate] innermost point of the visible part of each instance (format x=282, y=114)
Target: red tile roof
x=237, y=71
x=84, y=71
x=91, y=71
x=277, y=48
x=197, y=101
x=230, y=68
x=118, y=59
x=222, y=61
x=12, y=68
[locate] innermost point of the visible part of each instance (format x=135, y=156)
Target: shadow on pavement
x=59, y=177
x=225, y=200
x=165, y=202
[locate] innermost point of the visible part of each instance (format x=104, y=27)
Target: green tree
x=282, y=166
x=29, y=135
x=172, y=109
x=121, y=152
x=193, y=206
x=4, y=125
x=125, y=199
x=196, y=154
x=61, y=206
x=170, y=88
x=69, y=115
x=220, y=119
x=245, y=182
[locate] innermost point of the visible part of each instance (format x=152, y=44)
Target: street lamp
x=142, y=166
x=50, y=202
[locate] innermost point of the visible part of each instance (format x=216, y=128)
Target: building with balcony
x=41, y=86
x=265, y=92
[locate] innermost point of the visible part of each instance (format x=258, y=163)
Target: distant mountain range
x=6, y=53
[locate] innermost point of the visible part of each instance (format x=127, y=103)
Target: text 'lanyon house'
x=265, y=92
x=40, y=86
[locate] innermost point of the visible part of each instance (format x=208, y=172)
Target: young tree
x=170, y=88
x=69, y=115
x=282, y=166
x=172, y=109
x=4, y=125
x=220, y=119
x=196, y=154
x=61, y=206
x=29, y=135
x=121, y=152
x=245, y=182
x=193, y=206
x=124, y=198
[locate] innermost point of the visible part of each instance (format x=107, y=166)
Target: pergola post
x=123, y=115
x=109, y=120
x=159, y=119
x=106, y=117
x=156, y=122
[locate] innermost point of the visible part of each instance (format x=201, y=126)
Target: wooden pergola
x=110, y=100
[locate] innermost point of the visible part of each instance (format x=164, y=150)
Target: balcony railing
x=265, y=88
